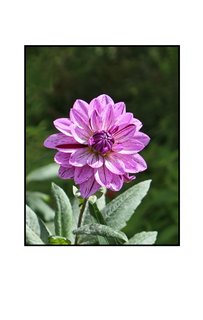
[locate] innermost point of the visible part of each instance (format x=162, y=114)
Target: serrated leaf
x=120, y=210
x=101, y=230
x=35, y=202
x=56, y=240
x=36, y=231
x=143, y=238
x=63, y=209
x=49, y=171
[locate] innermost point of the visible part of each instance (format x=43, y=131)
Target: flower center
x=101, y=141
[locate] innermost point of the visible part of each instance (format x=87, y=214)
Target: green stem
x=80, y=219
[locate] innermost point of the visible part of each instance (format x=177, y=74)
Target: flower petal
x=128, y=178
x=125, y=133
x=68, y=144
x=114, y=164
x=82, y=174
x=79, y=119
x=66, y=173
x=63, y=125
x=82, y=107
x=103, y=176
x=141, y=164
x=124, y=118
x=108, y=117
x=52, y=141
x=89, y=187
x=117, y=147
x=95, y=160
x=119, y=108
x=131, y=146
x=100, y=102
x=63, y=159
x=129, y=162
x=79, y=158
x=116, y=183
x=96, y=121
x=80, y=135
x=137, y=123
x=142, y=137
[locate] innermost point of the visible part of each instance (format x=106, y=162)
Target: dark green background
x=146, y=79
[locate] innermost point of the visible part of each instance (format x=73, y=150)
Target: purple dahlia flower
x=98, y=145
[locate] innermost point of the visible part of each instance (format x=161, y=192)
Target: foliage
x=146, y=79
x=97, y=228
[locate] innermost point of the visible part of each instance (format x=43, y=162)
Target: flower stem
x=80, y=219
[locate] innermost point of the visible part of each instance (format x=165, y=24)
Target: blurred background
x=146, y=79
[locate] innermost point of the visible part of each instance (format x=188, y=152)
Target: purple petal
x=79, y=158
x=114, y=164
x=125, y=118
x=127, y=178
x=80, y=135
x=141, y=164
x=89, y=187
x=129, y=162
x=82, y=174
x=68, y=144
x=132, y=146
x=108, y=117
x=63, y=125
x=95, y=160
x=116, y=183
x=103, y=176
x=142, y=137
x=79, y=120
x=96, y=121
x=125, y=134
x=119, y=108
x=52, y=141
x=117, y=147
x=66, y=173
x=63, y=159
x=137, y=123
x=82, y=107
x=100, y=102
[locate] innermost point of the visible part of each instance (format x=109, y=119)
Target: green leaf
x=101, y=230
x=120, y=210
x=56, y=240
x=49, y=171
x=36, y=231
x=143, y=238
x=35, y=202
x=76, y=213
x=63, y=217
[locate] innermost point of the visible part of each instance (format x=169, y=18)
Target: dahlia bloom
x=98, y=145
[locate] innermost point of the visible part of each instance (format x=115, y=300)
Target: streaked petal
x=137, y=123
x=117, y=147
x=79, y=158
x=132, y=146
x=141, y=164
x=63, y=125
x=82, y=106
x=96, y=121
x=100, y=102
x=103, y=176
x=128, y=178
x=114, y=164
x=79, y=119
x=63, y=159
x=142, y=137
x=95, y=160
x=66, y=173
x=119, y=108
x=82, y=174
x=125, y=118
x=52, y=141
x=68, y=144
x=89, y=187
x=125, y=134
x=116, y=183
x=108, y=117
x=129, y=162
x=79, y=134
